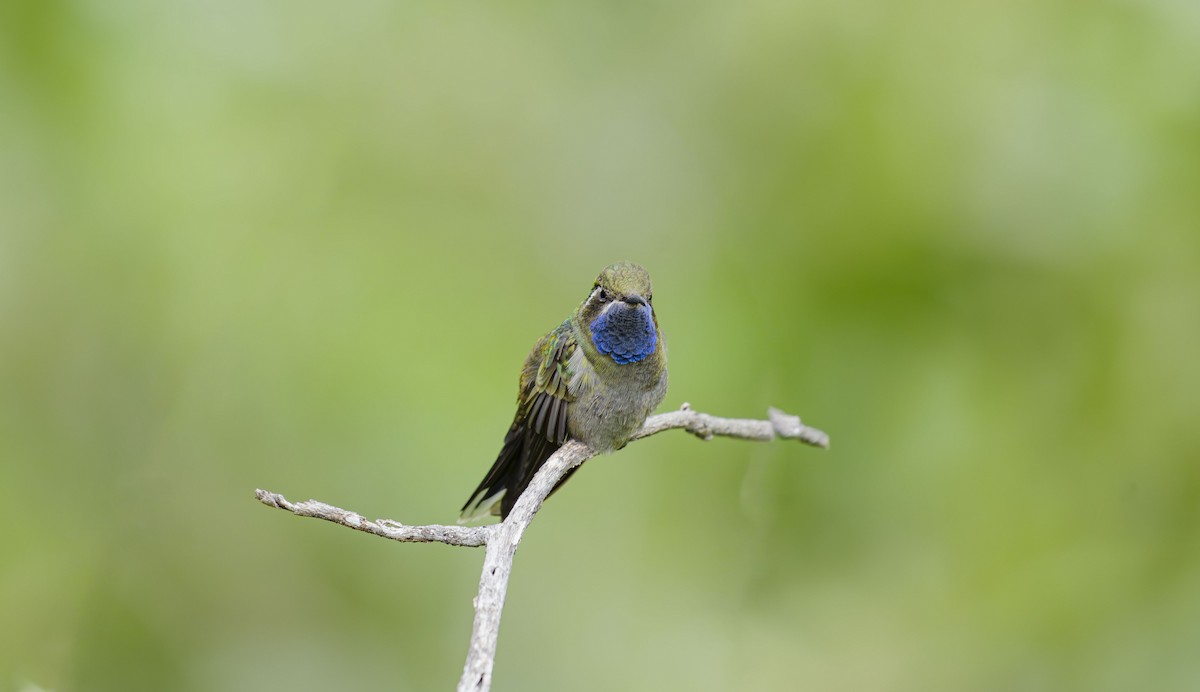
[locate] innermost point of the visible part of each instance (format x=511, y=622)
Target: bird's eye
x=602, y=296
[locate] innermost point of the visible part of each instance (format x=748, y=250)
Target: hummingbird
x=595, y=379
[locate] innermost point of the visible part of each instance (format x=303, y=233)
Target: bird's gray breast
x=608, y=410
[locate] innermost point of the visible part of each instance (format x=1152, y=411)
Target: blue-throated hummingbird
x=595, y=379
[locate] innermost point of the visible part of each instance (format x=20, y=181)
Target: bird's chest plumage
x=612, y=401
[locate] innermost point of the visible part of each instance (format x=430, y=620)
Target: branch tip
x=272, y=499
x=789, y=427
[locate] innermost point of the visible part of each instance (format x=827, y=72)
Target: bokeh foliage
x=305, y=246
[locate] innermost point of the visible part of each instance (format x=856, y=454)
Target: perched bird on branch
x=595, y=379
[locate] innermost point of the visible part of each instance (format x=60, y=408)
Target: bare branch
x=705, y=427
x=469, y=536
x=498, y=560
x=503, y=538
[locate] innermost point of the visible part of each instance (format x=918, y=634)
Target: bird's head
x=618, y=314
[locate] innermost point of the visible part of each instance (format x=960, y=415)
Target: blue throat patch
x=625, y=334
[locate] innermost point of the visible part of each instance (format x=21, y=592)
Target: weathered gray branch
x=503, y=538
x=469, y=536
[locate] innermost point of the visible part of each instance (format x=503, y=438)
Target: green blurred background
x=304, y=247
